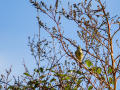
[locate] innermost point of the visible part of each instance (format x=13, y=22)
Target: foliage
x=99, y=69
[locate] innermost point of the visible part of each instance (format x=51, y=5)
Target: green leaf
x=27, y=74
x=74, y=89
x=99, y=70
x=67, y=78
x=41, y=69
x=94, y=69
x=110, y=80
x=43, y=81
x=42, y=76
x=53, y=89
x=53, y=79
x=30, y=83
x=67, y=87
x=109, y=70
x=78, y=72
x=47, y=69
x=0, y=86
x=36, y=70
x=74, y=70
x=90, y=87
x=36, y=84
x=52, y=71
x=79, y=81
x=69, y=70
x=11, y=87
x=88, y=62
x=81, y=77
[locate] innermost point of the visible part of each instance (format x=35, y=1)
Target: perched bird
x=79, y=53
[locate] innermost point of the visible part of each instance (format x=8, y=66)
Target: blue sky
x=18, y=21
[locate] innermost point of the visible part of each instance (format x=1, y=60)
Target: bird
x=79, y=53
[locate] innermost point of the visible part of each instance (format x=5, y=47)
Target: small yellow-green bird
x=79, y=53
